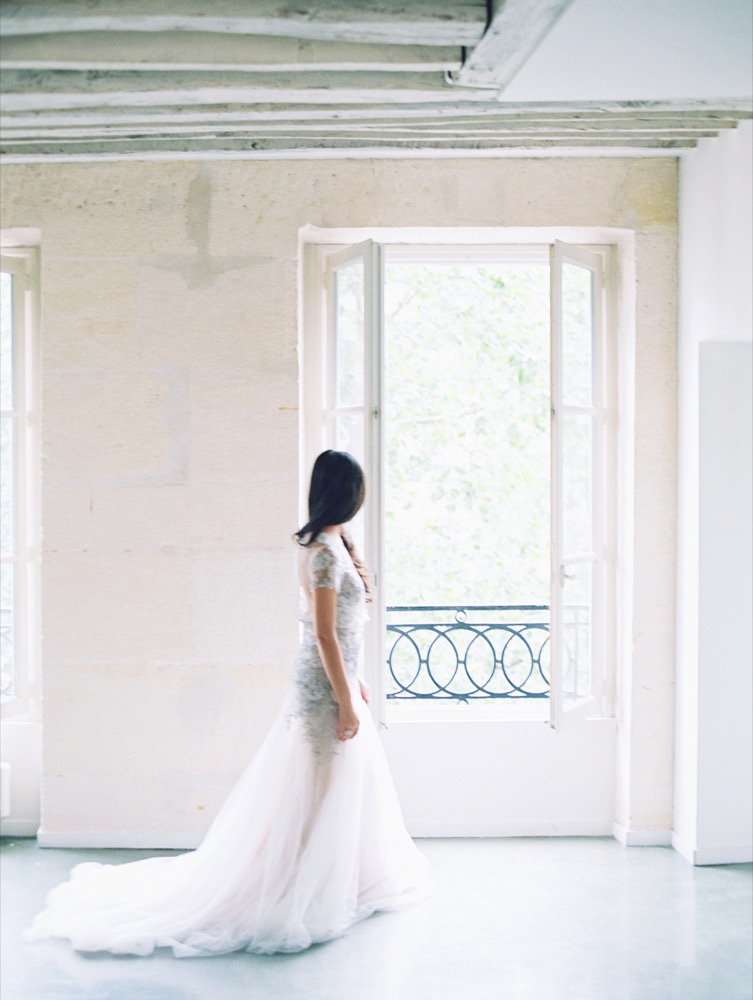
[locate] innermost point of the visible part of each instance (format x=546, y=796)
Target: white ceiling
x=93, y=78
x=642, y=50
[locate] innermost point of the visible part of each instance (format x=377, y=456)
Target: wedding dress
x=310, y=840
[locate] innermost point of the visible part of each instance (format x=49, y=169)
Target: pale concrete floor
x=534, y=919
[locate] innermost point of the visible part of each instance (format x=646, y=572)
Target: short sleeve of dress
x=323, y=569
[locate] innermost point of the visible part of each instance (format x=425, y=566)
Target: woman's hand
x=346, y=724
x=365, y=690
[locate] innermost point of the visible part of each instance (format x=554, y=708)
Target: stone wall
x=170, y=441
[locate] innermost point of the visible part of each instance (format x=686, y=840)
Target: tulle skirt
x=303, y=847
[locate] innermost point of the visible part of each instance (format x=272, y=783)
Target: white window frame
x=601, y=556
x=457, y=247
x=23, y=263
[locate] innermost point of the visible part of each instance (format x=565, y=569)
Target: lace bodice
x=328, y=564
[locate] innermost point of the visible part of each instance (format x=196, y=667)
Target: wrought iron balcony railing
x=468, y=653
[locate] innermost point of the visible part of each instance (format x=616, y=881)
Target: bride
x=311, y=839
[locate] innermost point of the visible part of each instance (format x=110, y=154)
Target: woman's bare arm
x=324, y=614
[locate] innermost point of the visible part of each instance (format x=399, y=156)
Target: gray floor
x=569, y=919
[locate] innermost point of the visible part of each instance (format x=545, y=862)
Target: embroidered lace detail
x=314, y=703
x=323, y=569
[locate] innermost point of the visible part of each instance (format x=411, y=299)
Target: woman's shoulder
x=322, y=559
x=326, y=541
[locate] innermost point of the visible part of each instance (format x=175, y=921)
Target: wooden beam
x=203, y=52
x=721, y=114
x=287, y=145
x=420, y=22
x=21, y=91
x=441, y=134
x=272, y=129
x=516, y=30
x=334, y=130
x=105, y=126
x=334, y=137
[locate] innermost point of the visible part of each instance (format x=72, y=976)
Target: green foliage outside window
x=467, y=433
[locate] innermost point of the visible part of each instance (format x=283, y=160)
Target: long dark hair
x=336, y=493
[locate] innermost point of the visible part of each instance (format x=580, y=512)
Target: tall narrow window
x=18, y=461
x=580, y=510
x=473, y=384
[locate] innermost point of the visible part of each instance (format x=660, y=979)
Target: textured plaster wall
x=170, y=428
x=713, y=818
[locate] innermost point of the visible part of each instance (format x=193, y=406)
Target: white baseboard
x=641, y=838
x=723, y=855
x=464, y=828
x=121, y=839
x=18, y=828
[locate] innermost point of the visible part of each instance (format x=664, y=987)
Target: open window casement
x=579, y=495
x=350, y=409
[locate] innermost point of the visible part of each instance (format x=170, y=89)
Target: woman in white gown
x=311, y=839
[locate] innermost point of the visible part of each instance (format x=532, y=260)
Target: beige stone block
x=402, y=193
x=116, y=609
x=245, y=316
x=655, y=273
x=655, y=432
x=655, y=552
x=652, y=729
x=648, y=197
x=200, y=517
x=99, y=803
x=163, y=519
x=481, y=192
x=655, y=457
x=183, y=721
x=67, y=518
x=440, y=193
x=656, y=364
x=245, y=607
x=560, y=192
x=113, y=209
x=259, y=206
x=106, y=719
x=115, y=425
x=244, y=426
x=144, y=519
x=88, y=309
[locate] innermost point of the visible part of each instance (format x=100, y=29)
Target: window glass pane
x=6, y=341
x=349, y=434
x=576, y=481
x=466, y=411
x=349, y=347
x=577, y=624
x=7, y=680
x=6, y=486
x=577, y=335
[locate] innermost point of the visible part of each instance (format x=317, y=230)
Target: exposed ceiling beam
x=516, y=29
x=380, y=118
x=470, y=127
x=60, y=90
x=720, y=114
x=147, y=149
x=191, y=51
x=382, y=131
x=420, y=22
x=147, y=84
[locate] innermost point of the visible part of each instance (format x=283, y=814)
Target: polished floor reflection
x=529, y=919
